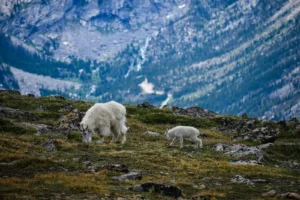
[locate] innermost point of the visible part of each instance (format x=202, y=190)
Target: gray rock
x=244, y=162
x=152, y=133
x=70, y=121
x=270, y=193
x=229, y=125
x=6, y=112
x=248, y=129
x=129, y=176
x=263, y=135
x=237, y=150
x=159, y=188
x=265, y=146
x=116, y=167
x=49, y=145
x=221, y=147
x=42, y=129
x=193, y=112
x=240, y=179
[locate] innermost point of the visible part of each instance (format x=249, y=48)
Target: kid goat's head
x=167, y=135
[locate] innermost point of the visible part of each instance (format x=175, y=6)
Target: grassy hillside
x=75, y=170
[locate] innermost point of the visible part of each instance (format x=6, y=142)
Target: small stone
x=240, y=179
x=152, y=133
x=49, y=145
x=193, y=112
x=271, y=193
x=244, y=162
x=265, y=146
x=129, y=176
x=201, y=187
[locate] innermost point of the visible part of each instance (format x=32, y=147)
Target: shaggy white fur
x=180, y=132
x=104, y=119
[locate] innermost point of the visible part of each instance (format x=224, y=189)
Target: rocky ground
x=43, y=157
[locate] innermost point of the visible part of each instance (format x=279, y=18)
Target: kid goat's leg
x=181, y=141
x=172, y=143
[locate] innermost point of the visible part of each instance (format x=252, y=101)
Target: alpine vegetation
x=180, y=132
x=104, y=119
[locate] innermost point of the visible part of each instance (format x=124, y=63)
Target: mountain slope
x=230, y=56
x=42, y=155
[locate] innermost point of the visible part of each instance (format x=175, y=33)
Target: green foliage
x=6, y=126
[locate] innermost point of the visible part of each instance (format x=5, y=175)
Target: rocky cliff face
x=87, y=29
x=231, y=56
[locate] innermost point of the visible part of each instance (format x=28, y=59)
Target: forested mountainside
x=231, y=56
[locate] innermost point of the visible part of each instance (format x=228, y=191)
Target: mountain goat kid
x=104, y=119
x=180, y=132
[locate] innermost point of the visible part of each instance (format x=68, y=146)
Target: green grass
x=74, y=170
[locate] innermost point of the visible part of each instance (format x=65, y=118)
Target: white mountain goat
x=180, y=132
x=104, y=119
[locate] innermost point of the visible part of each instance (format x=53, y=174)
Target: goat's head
x=86, y=133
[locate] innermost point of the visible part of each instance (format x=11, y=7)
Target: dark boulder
x=30, y=95
x=145, y=105
x=70, y=121
x=159, y=188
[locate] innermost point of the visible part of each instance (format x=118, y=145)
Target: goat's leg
x=114, y=138
x=172, y=143
x=115, y=133
x=100, y=141
x=197, y=141
x=123, y=139
x=89, y=138
x=200, y=143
